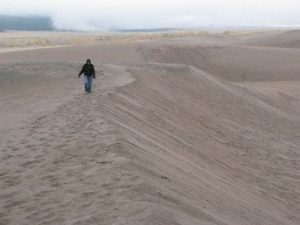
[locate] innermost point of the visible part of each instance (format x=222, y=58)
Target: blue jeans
x=88, y=81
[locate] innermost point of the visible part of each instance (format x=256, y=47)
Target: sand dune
x=184, y=131
x=287, y=39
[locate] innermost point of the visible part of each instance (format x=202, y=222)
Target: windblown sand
x=186, y=131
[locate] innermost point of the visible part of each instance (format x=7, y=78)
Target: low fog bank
x=48, y=23
x=101, y=15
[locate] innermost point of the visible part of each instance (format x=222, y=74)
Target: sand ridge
x=287, y=39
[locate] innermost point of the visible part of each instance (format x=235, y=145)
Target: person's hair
x=88, y=61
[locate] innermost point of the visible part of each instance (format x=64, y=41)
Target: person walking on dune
x=89, y=74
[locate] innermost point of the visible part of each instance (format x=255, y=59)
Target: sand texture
x=198, y=130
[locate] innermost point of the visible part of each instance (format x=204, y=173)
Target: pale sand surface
x=21, y=49
x=187, y=131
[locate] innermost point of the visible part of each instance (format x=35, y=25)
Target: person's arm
x=94, y=73
x=81, y=72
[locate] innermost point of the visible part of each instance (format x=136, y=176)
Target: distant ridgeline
x=147, y=30
x=23, y=23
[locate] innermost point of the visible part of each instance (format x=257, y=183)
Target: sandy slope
x=167, y=137
x=287, y=39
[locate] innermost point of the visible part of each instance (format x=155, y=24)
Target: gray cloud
x=129, y=14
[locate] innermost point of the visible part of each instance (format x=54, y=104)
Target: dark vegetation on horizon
x=25, y=23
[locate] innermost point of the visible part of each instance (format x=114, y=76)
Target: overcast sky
x=145, y=14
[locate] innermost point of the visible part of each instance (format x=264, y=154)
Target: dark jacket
x=88, y=70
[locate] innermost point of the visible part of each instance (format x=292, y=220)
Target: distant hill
x=30, y=23
x=146, y=30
